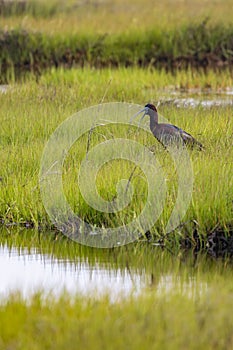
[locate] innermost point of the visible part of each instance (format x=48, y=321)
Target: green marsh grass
x=39, y=34
x=196, y=45
x=31, y=112
x=152, y=322
x=113, y=16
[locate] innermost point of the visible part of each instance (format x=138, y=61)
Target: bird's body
x=168, y=134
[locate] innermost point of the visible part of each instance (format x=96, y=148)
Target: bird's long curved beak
x=135, y=115
x=141, y=119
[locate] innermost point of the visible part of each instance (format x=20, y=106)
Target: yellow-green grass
x=115, y=16
x=193, y=45
x=31, y=112
x=149, y=322
x=108, y=34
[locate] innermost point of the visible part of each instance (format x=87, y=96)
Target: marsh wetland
x=164, y=290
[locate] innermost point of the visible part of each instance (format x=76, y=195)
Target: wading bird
x=167, y=134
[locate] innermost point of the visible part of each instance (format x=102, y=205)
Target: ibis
x=167, y=134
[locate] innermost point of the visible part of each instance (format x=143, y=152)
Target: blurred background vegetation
x=35, y=35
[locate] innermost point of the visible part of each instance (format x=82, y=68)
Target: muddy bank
x=218, y=242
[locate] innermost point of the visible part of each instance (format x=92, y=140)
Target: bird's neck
x=153, y=120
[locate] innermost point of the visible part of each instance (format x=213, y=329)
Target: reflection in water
x=30, y=272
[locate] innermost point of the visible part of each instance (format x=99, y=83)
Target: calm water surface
x=94, y=274
x=31, y=271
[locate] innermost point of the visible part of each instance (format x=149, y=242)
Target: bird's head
x=149, y=109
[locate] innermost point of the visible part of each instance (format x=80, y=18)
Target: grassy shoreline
x=31, y=112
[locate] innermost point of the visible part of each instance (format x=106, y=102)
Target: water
x=195, y=102
x=29, y=272
x=53, y=267
x=195, y=97
x=4, y=88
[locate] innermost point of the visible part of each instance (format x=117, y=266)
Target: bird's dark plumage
x=168, y=134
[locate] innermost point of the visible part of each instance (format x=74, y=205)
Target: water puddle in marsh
x=194, y=102
x=195, y=98
x=58, y=266
x=4, y=88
